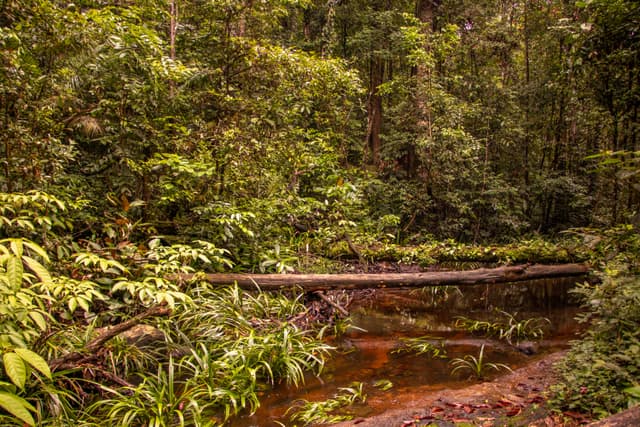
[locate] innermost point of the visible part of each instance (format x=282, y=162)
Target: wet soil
x=515, y=399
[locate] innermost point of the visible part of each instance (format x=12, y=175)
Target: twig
x=90, y=350
x=109, y=375
x=331, y=303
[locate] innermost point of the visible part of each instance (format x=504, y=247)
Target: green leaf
x=38, y=319
x=633, y=391
x=8, y=387
x=39, y=269
x=37, y=249
x=15, y=369
x=16, y=246
x=15, y=271
x=168, y=298
x=17, y=406
x=83, y=303
x=35, y=360
x=72, y=304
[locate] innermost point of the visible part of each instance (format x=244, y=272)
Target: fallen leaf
x=514, y=411
x=535, y=399
x=454, y=405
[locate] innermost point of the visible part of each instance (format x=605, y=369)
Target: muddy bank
x=515, y=399
x=630, y=417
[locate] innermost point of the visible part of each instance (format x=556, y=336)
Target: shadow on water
x=382, y=318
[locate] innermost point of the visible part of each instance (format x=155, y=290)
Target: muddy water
x=368, y=352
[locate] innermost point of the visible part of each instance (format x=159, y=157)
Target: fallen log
x=323, y=282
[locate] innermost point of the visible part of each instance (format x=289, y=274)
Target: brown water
x=366, y=353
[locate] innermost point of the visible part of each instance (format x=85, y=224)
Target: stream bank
x=423, y=387
x=514, y=399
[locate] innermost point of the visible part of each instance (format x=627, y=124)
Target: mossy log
x=321, y=282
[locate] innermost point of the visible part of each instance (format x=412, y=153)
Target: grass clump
x=423, y=345
x=508, y=328
x=476, y=366
x=328, y=411
x=224, y=350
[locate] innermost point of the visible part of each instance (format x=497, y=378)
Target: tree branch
x=90, y=350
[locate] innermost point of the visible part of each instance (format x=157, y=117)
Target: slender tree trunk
x=7, y=148
x=527, y=111
x=616, y=190
x=173, y=25
x=173, y=11
x=242, y=24
x=376, y=74
x=424, y=12
x=425, y=9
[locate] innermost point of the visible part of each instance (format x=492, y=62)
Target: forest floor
x=515, y=399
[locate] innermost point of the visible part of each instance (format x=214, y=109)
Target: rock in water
x=528, y=347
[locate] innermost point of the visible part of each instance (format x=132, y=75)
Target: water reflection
x=366, y=353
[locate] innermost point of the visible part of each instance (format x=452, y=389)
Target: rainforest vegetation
x=142, y=139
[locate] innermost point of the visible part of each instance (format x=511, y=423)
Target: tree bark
x=374, y=112
x=424, y=11
x=320, y=282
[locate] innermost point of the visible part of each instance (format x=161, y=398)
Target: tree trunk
x=318, y=282
x=374, y=111
x=424, y=12
x=527, y=112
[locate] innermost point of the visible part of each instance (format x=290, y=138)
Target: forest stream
x=370, y=352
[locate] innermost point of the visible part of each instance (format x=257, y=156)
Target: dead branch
x=90, y=350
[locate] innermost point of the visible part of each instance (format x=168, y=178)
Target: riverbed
x=382, y=320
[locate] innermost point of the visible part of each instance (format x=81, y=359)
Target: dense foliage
x=189, y=351
x=601, y=375
x=602, y=370
x=476, y=121
x=143, y=139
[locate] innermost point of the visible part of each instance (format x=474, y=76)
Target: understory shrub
x=600, y=369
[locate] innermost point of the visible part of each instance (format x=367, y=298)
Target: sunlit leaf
x=40, y=270
x=72, y=304
x=35, y=360
x=83, y=303
x=18, y=407
x=38, y=319
x=15, y=369
x=15, y=271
